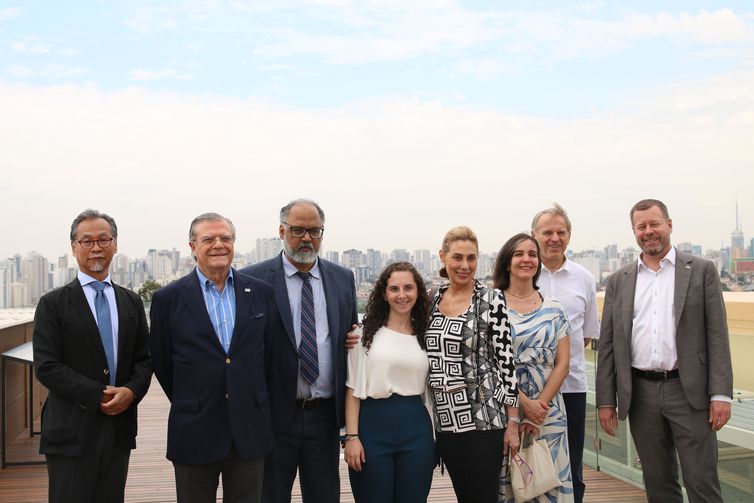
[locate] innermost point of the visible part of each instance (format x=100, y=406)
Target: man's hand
x=719, y=414
x=352, y=337
x=609, y=420
x=116, y=400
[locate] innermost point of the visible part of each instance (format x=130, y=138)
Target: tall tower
x=737, y=236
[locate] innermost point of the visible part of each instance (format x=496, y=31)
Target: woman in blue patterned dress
x=542, y=352
x=472, y=376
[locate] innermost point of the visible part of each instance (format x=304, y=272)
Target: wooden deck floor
x=150, y=478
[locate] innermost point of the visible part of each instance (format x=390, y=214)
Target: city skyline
x=401, y=120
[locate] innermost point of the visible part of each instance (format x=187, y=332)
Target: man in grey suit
x=664, y=352
x=316, y=300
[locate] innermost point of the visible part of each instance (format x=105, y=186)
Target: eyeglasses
x=209, y=240
x=102, y=242
x=298, y=232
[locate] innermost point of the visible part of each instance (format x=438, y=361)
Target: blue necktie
x=307, y=349
x=105, y=326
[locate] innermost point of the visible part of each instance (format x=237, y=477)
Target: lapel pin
x=688, y=267
x=247, y=290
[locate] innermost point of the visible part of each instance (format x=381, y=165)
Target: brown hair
x=378, y=310
x=645, y=204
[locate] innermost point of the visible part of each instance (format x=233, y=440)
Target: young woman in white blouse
x=389, y=443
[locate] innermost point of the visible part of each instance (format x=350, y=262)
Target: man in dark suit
x=91, y=351
x=316, y=300
x=664, y=352
x=210, y=339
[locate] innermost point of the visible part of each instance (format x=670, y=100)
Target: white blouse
x=395, y=363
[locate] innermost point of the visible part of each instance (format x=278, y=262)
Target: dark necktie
x=307, y=349
x=105, y=326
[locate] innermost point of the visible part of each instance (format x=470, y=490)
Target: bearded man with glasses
x=316, y=300
x=91, y=351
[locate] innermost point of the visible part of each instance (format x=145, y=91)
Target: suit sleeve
x=591, y=326
x=52, y=372
x=159, y=339
x=354, y=311
x=141, y=373
x=720, y=372
x=605, y=382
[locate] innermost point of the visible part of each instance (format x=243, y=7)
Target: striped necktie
x=307, y=349
x=104, y=323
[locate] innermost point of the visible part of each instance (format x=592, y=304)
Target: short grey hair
x=90, y=214
x=557, y=210
x=287, y=209
x=209, y=217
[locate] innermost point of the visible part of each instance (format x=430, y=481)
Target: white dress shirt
x=653, y=341
x=90, y=293
x=574, y=287
x=324, y=386
x=653, y=334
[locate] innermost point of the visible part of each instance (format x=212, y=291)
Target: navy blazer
x=340, y=296
x=70, y=362
x=217, y=400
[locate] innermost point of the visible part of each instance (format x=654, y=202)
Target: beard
x=303, y=254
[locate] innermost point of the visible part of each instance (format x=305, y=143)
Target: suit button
x=227, y=360
x=106, y=371
x=226, y=396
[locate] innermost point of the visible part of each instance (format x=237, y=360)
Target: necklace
x=520, y=296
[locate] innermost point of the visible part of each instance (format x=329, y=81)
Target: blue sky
x=592, y=104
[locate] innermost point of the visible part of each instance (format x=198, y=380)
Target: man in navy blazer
x=91, y=351
x=210, y=340
x=316, y=299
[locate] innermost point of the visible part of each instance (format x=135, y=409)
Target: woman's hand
x=511, y=442
x=529, y=429
x=354, y=454
x=534, y=410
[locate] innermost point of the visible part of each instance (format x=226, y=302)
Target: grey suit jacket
x=701, y=335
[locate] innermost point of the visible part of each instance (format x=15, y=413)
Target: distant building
x=333, y=257
x=351, y=259
x=423, y=261
x=266, y=248
x=400, y=255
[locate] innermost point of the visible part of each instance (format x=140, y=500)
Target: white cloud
x=154, y=160
x=142, y=74
x=482, y=68
x=28, y=48
x=9, y=13
x=53, y=71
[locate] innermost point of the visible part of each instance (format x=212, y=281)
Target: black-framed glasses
x=298, y=232
x=102, y=242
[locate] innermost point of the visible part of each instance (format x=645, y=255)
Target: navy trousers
x=396, y=433
x=575, y=405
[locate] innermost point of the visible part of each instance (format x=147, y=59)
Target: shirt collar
x=203, y=280
x=291, y=270
x=85, y=279
x=567, y=266
x=669, y=258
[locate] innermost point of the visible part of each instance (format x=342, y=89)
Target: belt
x=311, y=403
x=656, y=375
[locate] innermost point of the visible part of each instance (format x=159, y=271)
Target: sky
x=402, y=119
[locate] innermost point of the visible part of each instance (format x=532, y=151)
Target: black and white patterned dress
x=472, y=374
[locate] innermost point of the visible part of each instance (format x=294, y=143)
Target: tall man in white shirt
x=664, y=352
x=574, y=287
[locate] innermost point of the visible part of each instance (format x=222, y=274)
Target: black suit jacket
x=217, y=400
x=70, y=361
x=340, y=296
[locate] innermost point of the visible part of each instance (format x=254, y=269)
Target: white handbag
x=532, y=471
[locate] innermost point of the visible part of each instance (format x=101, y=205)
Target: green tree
x=147, y=289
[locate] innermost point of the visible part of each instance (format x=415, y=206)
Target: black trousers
x=309, y=445
x=99, y=475
x=242, y=480
x=474, y=460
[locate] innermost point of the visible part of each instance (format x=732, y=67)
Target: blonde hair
x=458, y=233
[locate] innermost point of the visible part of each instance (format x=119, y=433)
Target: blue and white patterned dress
x=535, y=341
